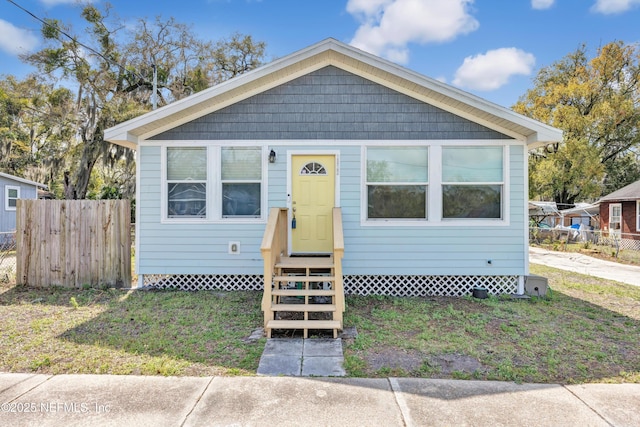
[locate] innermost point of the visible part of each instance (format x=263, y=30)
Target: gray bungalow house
x=330, y=171
x=13, y=188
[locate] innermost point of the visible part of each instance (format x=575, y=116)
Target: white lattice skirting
x=416, y=286
x=628, y=244
x=420, y=286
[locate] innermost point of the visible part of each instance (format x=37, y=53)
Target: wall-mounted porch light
x=272, y=157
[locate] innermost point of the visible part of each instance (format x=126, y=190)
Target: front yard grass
x=62, y=331
x=588, y=330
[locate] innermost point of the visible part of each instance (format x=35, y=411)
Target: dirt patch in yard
x=450, y=363
x=408, y=361
x=412, y=362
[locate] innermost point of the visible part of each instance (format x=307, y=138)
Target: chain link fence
x=596, y=240
x=7, y=257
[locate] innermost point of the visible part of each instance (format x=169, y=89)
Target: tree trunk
x=77, y=188
x=564, y=200
x=69, y=188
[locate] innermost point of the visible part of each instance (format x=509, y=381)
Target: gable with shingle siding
x=330, y=104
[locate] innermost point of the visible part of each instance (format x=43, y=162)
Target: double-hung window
x=186, y=182
x=11, y=196
x=397, y=183
x=213, y=183
x=472, y=182
x=241, y=182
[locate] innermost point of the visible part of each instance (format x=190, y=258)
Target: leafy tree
x=34, y=127
x=186, y=65
x=112, y=72
x=596, y=102
x=101, y=99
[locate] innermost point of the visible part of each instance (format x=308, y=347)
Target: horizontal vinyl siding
x=442, y=250
x=198, y=248
x=188, y=248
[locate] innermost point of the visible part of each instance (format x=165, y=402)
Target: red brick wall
x=629, y=217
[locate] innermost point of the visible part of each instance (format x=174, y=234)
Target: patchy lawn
x=61, y=331
x=587, y=331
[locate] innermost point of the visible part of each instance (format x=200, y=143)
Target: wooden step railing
x=273, y=247
x=338, y=254
x=292, y=285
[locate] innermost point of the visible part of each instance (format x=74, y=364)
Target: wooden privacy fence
x=73, y=243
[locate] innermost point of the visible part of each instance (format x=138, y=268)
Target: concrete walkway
x=585, y=264
x=300, y=357
x=108, y=400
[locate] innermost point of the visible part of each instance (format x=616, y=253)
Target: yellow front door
x=312, y=201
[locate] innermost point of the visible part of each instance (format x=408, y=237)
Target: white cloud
x=388, y=26
x=14, y=40
x=542, y=4
x=608, y=7
x=493, y=69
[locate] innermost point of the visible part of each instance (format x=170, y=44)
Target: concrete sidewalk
x=108, y=400
x=584, y=264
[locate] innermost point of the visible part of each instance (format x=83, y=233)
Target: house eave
x=22, y=180
x=544, y=137
x=120, y=136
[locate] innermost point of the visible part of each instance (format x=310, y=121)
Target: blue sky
x=491, y=48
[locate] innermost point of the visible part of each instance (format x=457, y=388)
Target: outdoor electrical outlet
x=234, y=248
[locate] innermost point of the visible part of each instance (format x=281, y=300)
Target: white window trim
x=638, y=215
x=206, y=181
x=8, y=188
x=214, y=186
x=611, y=207
x=365, y=189
x=434, y=189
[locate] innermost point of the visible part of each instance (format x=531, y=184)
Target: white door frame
x=336, y=191
x=611, y=207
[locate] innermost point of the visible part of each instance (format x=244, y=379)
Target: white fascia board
x=121, y=137
x=22, y=180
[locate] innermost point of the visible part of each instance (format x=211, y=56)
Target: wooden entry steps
x=303, y=296
x=301, y=293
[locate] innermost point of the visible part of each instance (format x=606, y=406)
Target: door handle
x=293, y=220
